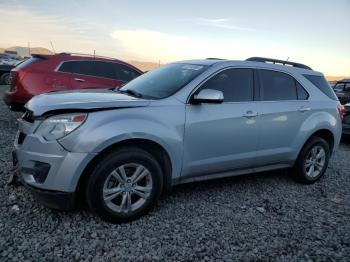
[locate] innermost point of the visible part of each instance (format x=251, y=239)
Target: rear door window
x=100, y=69
x=302, y=93
x=89, y=68
x=277, y=86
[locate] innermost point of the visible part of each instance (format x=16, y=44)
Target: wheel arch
x=325, y=134
x=152, y=147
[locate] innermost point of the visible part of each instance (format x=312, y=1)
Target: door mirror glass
x=208, y=96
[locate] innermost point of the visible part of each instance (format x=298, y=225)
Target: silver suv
x=187, y=121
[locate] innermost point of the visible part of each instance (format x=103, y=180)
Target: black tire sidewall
x=7, y=79
x=107, y=164
x=301, y=174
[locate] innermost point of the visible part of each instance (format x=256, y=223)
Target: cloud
x=151, y=45
x=154, y=45
x=224, y=23
x=21, y=26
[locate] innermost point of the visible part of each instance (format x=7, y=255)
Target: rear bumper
x=11, y=101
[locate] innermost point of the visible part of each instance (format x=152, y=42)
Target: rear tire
x=124, y=185
x=312, y=161
x=5, y=79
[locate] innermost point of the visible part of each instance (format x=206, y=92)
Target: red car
x=48, y=73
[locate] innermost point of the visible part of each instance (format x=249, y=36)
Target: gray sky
x=315, y=32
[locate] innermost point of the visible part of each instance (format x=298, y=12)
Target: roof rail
x=214, y=58
x=345, y=80
x=276, y=61
x=90, y=55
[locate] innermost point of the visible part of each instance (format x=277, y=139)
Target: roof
x=256, y=62
x=343, y=81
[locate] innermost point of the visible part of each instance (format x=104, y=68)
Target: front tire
x=125, y=185
x=312, y=161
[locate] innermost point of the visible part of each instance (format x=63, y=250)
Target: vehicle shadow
x=283, y=176
x=345, y=140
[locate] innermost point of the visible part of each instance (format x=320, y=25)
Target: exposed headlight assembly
x=58, y=126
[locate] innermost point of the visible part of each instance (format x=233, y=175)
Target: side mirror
x=210, y=96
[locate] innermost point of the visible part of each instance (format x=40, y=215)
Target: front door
x=222, y=137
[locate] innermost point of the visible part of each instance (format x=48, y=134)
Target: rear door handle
x=250, y=114
x=304, y=109
x=79, y=80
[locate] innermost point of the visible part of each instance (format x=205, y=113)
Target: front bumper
x=46, y=165
x=54, y=199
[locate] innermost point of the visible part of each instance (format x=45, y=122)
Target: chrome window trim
x=287, y=73
x=57, y=69
x=257, y=68
x=213, y=75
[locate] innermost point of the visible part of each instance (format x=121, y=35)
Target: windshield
x=163, y=81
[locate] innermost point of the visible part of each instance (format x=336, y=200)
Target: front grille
x=28, y=116
x=21, y=138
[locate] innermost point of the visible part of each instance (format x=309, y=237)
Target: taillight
x=341, y=111
x=13, y=80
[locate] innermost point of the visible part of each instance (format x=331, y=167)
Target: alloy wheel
x=127, y=188
x=315, y=161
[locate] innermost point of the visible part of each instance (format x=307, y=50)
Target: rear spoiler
x=39, y=56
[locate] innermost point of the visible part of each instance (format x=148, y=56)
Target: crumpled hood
x=85, y=99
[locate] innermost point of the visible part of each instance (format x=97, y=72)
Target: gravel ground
x=259, y=217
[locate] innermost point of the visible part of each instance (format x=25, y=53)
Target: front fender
x=103, y=129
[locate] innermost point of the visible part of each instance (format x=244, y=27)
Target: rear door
x=284, y=107
x=89, y=74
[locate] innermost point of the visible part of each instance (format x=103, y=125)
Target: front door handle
x=250, y=114
x=79, y=80
x=304, y=109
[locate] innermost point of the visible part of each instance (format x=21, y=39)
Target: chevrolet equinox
x=118, y=150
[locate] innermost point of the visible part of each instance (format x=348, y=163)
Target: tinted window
x=163, y=81
x=347, y=87
x=339, y=87
x=302, y=94
x=73, y=67
x=91, y=68
x=100, y=69
x=236, y=84
x=277, y=86
x=321, y=83
x=124, y=72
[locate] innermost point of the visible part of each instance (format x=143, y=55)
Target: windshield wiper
x=131, y=92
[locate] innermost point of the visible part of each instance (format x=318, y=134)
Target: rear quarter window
x=321, y=83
